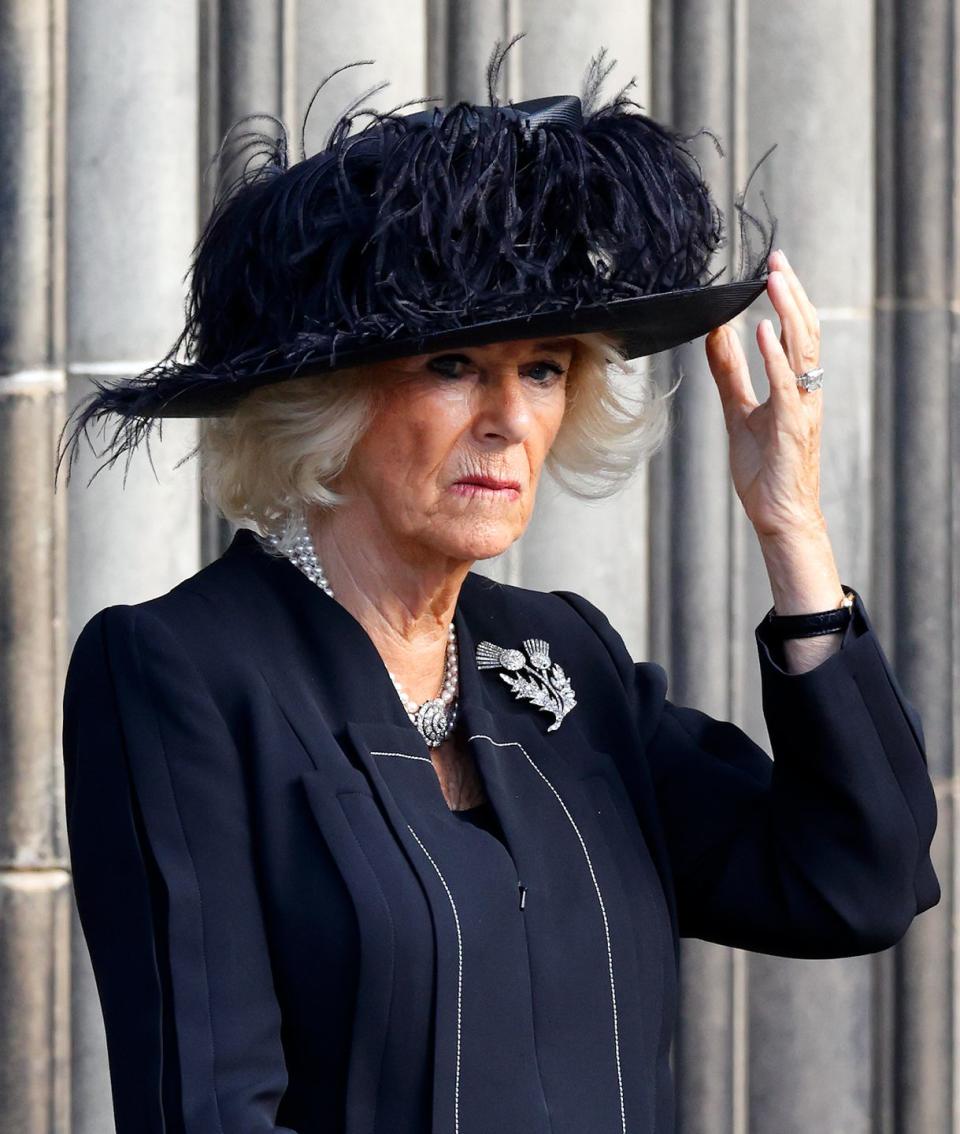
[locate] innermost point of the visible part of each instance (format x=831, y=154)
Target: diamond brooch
x=544, y=683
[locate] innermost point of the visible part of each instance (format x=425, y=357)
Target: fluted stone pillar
x=132, y=220
x=392, y=33
x=693, y=506
x=915, y=548
x=243, y=72
x=34, y=883
x=815, y=1017
x=473, y=28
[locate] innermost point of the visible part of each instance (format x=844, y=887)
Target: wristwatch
x=807, y=625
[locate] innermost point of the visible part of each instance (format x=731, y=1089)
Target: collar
x=327, y=629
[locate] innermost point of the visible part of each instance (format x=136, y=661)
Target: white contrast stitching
x=453, y=904
x=405, y=755
x=603, y=911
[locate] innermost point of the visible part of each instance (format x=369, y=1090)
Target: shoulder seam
x=135, y=616
x=574, y=600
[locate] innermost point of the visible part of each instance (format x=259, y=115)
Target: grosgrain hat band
x=811, y=379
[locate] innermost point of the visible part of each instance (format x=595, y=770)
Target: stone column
x=808, y=86
x=915, y=546
x=242, y=72
x=132, y=220
x=34, y=883
x=472, y=31
x=324, y=36
x=699, y=56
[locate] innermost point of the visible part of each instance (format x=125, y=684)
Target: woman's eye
x=552, y=371
x=447, y=364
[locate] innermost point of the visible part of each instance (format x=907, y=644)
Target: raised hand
x=774, y=445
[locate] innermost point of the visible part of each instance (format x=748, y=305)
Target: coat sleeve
x=165, y=887
x=821, y=851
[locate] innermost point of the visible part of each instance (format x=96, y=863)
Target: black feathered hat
x=453, y=226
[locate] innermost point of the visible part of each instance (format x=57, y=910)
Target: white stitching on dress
x=603, y=911
x=453, y=904
x=405, y=755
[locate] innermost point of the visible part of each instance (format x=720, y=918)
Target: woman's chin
x=483, y=541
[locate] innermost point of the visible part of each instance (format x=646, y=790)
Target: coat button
x=523, y=893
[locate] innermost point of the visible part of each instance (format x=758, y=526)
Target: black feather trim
x=425, y=222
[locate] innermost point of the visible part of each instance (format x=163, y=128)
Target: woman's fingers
x=802, y=340
x=780, y=373
x=778, y=262
x=798, y=343
x=794, y=408
x=728, y=363
x=796, y=350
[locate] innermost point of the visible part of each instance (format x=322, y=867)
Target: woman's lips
x=487, y=486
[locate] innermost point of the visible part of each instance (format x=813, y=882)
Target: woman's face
x=450, y=421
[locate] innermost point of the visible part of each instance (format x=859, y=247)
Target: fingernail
x=783, y=257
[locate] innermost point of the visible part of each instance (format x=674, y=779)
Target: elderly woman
x=364, y=841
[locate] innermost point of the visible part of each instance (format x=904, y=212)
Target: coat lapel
x=335, y=693
x=568, y=747
x=503, y=961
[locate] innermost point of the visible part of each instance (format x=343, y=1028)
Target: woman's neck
x=404, y=598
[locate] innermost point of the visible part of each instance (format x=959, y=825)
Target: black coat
x=291, y=931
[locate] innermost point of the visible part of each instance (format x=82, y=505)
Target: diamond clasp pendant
x=544, y=683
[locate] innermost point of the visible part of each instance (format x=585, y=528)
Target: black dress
x=483, y=816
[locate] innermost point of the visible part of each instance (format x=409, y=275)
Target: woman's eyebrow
x=555, y=344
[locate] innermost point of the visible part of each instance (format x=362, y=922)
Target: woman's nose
x=504, y=410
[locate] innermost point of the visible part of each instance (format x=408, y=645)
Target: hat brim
x=645, y=325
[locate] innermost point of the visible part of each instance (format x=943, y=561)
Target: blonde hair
x=278, y=451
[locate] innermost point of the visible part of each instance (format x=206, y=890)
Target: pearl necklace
x=432, y=719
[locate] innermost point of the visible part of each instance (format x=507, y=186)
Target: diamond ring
x=811, y=379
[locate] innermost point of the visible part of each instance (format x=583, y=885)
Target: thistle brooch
x=546, y=685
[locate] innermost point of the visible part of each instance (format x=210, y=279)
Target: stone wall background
x=110, y=112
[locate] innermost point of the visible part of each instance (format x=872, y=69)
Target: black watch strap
x=808, y=625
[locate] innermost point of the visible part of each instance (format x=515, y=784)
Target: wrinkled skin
x=397, y=551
